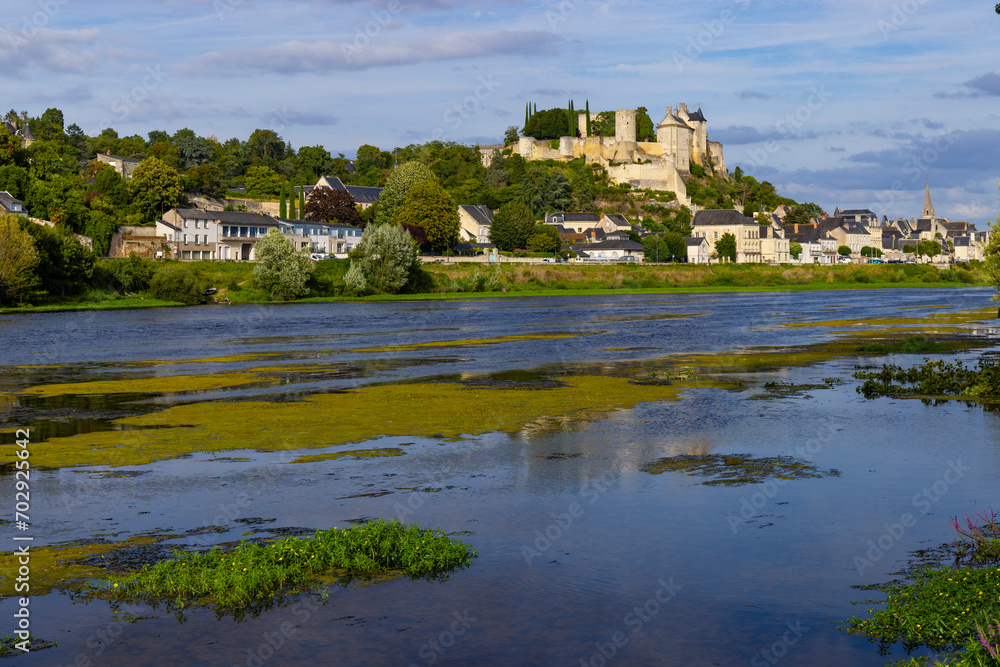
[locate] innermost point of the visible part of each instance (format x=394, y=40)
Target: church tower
x=928, y=208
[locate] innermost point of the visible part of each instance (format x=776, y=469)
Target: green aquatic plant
x=933, y=378
x=736, y=469
x=250, y=572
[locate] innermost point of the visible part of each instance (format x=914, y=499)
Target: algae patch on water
x=156, y=384
x=434, y=409
x=354, y=454
x=736, y=469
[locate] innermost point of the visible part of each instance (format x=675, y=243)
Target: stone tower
x=625, y=126
x=928, y=207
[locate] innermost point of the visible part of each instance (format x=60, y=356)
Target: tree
x=726, y=247
x=432, y=209
x=280, y=270
x=153, y=188
x=928, y=248
x=545, y=189
x=292, y=196
x=545, y=239
x=175, y=282
x=588, y=118
x=302, y=201
x=18, y=260
x=654, y=249
x=369, y=157
x=991, y=254
x=327, y=205
x=645, y=130
x=676, y=246
x=795, y=249
x=264, y=146
x=510, y=136
x=282, y=205
x=316, y=160
x=548, y=124
x=512, y=226
x=868, y=251
x=843, y=250
x=387, y=257
x=263, y=182
x=65, y=267
x=398, y=186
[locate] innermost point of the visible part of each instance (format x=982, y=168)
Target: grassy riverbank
x=234, y=281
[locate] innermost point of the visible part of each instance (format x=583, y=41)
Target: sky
x=849, y=103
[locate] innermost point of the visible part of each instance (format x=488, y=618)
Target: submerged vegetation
x=251, y=572
x=736, y=469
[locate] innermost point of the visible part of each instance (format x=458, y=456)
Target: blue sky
x=846, y=103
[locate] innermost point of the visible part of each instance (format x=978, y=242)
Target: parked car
x=843, y=259
x=317, y=256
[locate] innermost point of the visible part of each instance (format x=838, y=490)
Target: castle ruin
x=681, y=138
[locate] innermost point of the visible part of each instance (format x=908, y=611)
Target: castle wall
x=656, y=176
x=625, y=126
x=715, y=152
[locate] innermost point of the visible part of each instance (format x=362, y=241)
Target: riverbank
x=460, y=280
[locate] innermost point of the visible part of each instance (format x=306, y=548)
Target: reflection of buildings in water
x=8, y=404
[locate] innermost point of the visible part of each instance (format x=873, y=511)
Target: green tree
x=153, y=189
x=280, y=270
x=282, y=205
x=928, y=248
x=265, y=147
x=545, y=238
x=547, y=124
x=291, y=202
x=676, y=247
x=398, y=186
x=15, y=180
x=176, y=282
x=991, y=255
x=545, y=189
x=512, y=226
x=112, y=187
x=18, y=260
x=843, y=250
x=645, y=130
x=316, y=160
x=262, y=181
x=167, y=153
x=387, y=257
x=725, y=247
x=327, y=205
x=510, y=136
x=434, y=211
x=302, y=201
x=795, y=249
x=195, y=150
x=65, y=267
x=100, y=227
x=868, y=251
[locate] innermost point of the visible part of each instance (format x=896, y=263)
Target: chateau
x=681, y=138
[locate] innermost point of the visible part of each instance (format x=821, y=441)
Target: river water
x=584, y=558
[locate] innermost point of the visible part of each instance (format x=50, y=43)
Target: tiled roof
x=481, y=214
x=721, y=217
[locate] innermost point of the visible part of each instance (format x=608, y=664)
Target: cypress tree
x=588, y=118
x=291, y=201
x=302, y=201
x=526, y=114
x=282, y=207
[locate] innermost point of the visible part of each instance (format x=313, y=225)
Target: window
x=196, y=239
x=225, y=231
x=185, y=238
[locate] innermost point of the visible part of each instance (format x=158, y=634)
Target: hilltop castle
x=681, y=138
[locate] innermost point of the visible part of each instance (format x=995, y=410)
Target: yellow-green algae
x=58, y=566
x=467, y=342
x=354, y=453
x=442, y=410
x=962, y=317
x=149, y=385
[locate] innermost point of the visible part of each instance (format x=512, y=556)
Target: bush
x=354, y=280
x=327, y=278
x=132, y=274
x=175, y=282
x=859, y=276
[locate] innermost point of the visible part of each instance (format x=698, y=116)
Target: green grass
x=911, y=345
x=252, y=572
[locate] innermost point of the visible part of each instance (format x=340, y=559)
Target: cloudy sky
x=850, y=103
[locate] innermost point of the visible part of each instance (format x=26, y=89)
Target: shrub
x=175, y=282
x=354, y=280
x=859, y=276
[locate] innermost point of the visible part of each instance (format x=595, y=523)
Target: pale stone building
x=713, y=224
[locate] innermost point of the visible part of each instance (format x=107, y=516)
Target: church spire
x=928, y=208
